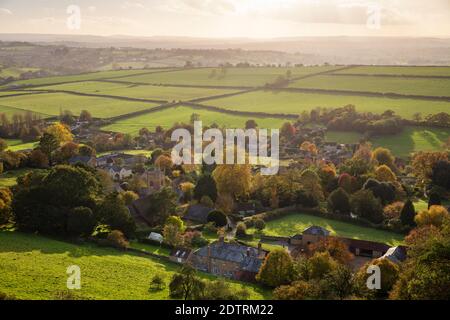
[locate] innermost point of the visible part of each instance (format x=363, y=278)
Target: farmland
x=232, y=77
x=168, y=117
x=140, y=91
x=296, y=103
x=51, y=104
x=407, y=86
x=398, y=70
x=34, y=267
x=295, y=223
x=411, y=140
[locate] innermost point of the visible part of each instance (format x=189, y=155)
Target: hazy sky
x=230, y=18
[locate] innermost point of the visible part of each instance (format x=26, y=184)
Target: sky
x=228, y=18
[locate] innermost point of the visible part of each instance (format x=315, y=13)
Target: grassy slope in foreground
x=408, y=86
x=295, y=223
x=233, y=76
x=412, y=139
x=296, y=103
x=140, y=91
x=53, y=103
x=168, y=117
x=34, y=267
x=398, y=70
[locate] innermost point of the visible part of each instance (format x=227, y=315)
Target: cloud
x=4, y=11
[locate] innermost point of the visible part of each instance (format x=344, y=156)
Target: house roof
x=316, y=231
x=396, y=254
x=247, y=257
x=197, y=213
x=366, y=245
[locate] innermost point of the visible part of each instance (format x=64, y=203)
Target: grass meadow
x=34, y=267
x=295, y=223
x=398, y=70
x=51, y=104
x=296, y=103
x=166, y=118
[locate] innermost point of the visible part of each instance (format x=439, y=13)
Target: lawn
x=399, y=70
x=296, y=103
x=111, y=74
x=410, y=86
x=34, y=267
x=132, y=152
x=140, y=91
x=232, y=77
x=19, y=145
x=9, y=178
x=293, y=224
x=10, y=111
x=53, y=103
x=166, y=118
x=412, y=139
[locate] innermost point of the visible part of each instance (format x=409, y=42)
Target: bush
x=117, y=240
x=218, y=218
x=207, y=202
x=157, y=283
x=259, y=224
x=339, y=201
x=210, y=227
x=241, y=230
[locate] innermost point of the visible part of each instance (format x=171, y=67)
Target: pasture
x=398, y=70
x=296, y=103
x=247, y=77
x=295, y=223
x=9, y=178
x=51, y=104
x=407, y=86
x=34, y=267
x=10, y=111
x=19, y=145
x=140, y=91
x=412, y=139
x=166, y=118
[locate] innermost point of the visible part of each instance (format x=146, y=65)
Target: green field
x=141, y=91
x=83, y=77
x=296, y=103
x=412, y=139
x=9, y=178
x=409, y=86
x=14, y=72
x=168, y=117
x=10, y=111
x=398, y=70
x=34, y=267
x=52, y=104
x=295, y=223
x=233, y=76
x=19, y=145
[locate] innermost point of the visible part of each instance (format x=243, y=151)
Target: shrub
x=207, y=202
x=259, y=224
x=241, y=230
x=157, y=283
x=117, y=239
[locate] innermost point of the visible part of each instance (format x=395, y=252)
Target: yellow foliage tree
x=61, y=132
x=234, y=180
x=384, y=173
x=434, y=216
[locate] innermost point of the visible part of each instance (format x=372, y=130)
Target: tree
x=321, y=264
x=3, y=145
x=221, y=290
x=309, y=147
x=113, y=212
x=389, y=274
x=298, y=290
x=188, y=190
x=157, y=283
x=339, y=201
x=384, y=173
x=310, y=182
x=48, y=144
x=85, y=116
x=5, y=205
x=38, y=159
x=277, y=269
x=434, y=200
x=382, y=190
x=365, y=205
x=218, y=218
x=81, y=221
x=68, y=150
x=408, y=214
x=241, y=230
x=206, y=186
x=176, y=221
x=172, y=235
x=117, y=239
x=434, y=216
x=340, y=282
x=86, y=151
x=61, y=132
x=251, y=124
x=423, y=163
x=128, y=197
x=186, y=285
x=160, y=205
x=383, y=156
x=287, y=130
x=164, y=163
x=259, y=224
x=194, y=117
x=440, y=174
x=156, y=153
x=337, y=250
x=234, y=180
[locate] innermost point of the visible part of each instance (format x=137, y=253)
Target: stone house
x=119, y=173
x=180, y=255
x=230, y=260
